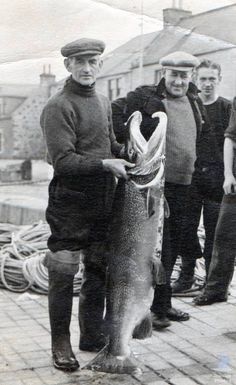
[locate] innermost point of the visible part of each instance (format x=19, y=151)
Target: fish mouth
x=150, y=155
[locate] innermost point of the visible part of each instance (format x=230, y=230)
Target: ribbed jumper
x=180, y=140
x=78, y=129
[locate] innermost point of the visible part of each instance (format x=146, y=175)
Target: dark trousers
x=91, y=301
x=176, y=197
x=224, y=251
x=79, y=220
x=190, y=246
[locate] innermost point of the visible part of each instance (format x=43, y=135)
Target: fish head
x=149, y=155
x=134, y=141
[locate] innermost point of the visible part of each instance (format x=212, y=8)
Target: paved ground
x=200, y=351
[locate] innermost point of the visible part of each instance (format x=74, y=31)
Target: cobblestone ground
x=199, y=351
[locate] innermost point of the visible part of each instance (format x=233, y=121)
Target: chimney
x=172, y=16
x=47, y=79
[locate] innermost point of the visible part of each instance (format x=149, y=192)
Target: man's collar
x=191, y=93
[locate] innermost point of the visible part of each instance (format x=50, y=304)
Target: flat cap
x=83, y=46
x=182, y=61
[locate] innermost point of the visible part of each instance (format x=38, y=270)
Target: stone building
x=20, y=107
x=210, y=34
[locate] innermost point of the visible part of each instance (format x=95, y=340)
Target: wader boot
x=92, y=302
x=60, y=297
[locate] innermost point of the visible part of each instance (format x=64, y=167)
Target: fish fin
x=108, y=363
x=158, y=271
x=150, y=203
x=143, y=329
x=166, y=208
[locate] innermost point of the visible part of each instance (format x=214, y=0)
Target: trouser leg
x=92, y=299
x=211, y=211
x=176, y=198
x=162, y=294
x=224, y=250
x=190, y=248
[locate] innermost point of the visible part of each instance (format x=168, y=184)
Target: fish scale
x=135, y=248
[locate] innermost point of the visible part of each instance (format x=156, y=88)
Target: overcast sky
x=33, y=31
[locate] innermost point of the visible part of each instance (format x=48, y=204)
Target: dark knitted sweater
x=231, y=133
x=219, y=114
x=77, y=126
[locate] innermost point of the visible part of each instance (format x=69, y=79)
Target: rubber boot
x=60, y=297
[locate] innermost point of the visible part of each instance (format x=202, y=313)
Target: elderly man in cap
x=81, y=145
x=188, y=136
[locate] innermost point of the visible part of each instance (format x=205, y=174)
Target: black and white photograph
x=118, y=192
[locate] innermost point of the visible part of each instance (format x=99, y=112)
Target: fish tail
x=144, y=328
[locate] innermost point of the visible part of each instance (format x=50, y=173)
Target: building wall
x=108, y=84
x=6, y=138
x=28, y=138
x=9, y=103
x=152, y=75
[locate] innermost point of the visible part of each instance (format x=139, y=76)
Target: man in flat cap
x=188, y=136
x=81, y=146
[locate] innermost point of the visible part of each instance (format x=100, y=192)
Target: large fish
x=135, y=247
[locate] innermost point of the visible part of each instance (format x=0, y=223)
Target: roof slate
x=219, y=23
x=120, y=60
x=178, y=39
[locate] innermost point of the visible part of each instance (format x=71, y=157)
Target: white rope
x=22, y=250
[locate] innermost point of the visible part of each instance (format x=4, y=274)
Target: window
x=114, y=88
x=157, y=76
x=118, y=87
x=1, y=141
x=2, y=107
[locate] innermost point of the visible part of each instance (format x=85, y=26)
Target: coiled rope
x=22, y=250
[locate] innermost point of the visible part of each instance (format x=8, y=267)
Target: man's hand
x=229, y=185
x=117, y=167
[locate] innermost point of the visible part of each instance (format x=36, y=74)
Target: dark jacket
x=149, y=99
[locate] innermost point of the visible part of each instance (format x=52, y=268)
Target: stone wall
x=6, y=132
x=28, y=138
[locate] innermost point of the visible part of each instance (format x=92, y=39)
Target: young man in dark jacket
x=81, y=145
x=222, y=264
x=188, y=139
x=206, y=190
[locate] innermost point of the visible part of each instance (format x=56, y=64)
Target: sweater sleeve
x=59, y=132
x=115, y=146
x=231, y=130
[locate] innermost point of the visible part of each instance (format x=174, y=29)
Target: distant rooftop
x=178, y=39
x=18, y=90
x=119, y=60
x=197, y=34
x=219, y=23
